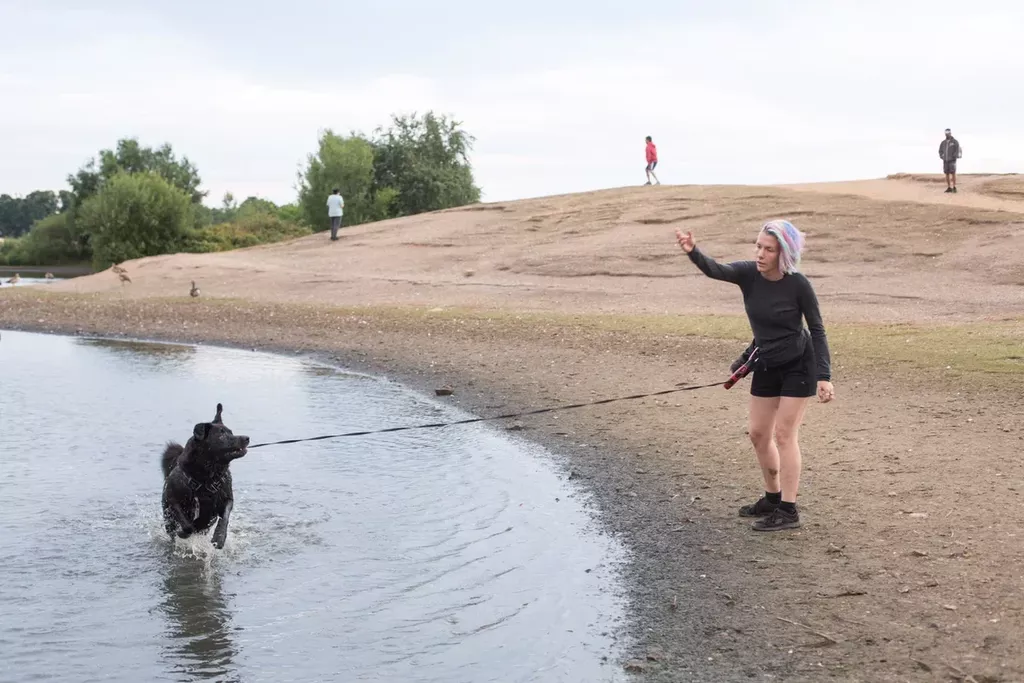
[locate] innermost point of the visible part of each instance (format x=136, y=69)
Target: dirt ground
x=908, y=564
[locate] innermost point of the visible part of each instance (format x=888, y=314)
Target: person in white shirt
x=335, y=209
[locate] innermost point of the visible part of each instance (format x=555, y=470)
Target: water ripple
x=435, y=555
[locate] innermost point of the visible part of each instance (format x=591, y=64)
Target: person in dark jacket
x=949, y=152
x=792, y=363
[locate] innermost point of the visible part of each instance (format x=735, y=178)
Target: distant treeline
x=135, y=201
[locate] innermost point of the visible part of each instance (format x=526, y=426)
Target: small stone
x=918, y=553
x=951, y=608
x=444, y=391
x=655, y=654
x=636, y=666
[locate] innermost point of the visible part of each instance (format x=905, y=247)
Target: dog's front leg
x=175, y=515
x=220, y=534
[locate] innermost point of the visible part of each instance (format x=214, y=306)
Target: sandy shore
x=907, y=567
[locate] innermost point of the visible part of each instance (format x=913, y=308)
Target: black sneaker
x=778, y=521
x=949, y=189
x=954, y=190
x=762, y=508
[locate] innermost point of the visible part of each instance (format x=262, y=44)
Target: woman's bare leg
x=788, y=419
x=761, y=428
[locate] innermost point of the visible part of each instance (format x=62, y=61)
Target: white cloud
x=825, y=92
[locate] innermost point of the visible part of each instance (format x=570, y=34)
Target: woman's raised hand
x=685, y=241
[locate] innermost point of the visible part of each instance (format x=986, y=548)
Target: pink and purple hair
x=791, y=242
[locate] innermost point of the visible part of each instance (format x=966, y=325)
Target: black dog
x=197, y=482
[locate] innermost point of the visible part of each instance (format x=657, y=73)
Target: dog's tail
x=170, y=457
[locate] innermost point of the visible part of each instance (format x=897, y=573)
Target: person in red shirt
x=652, y=161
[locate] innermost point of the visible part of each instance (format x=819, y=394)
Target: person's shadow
x=197, y=642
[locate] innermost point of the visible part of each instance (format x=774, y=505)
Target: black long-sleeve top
x=775, y=309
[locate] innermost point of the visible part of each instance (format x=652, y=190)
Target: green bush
x=247, y=231
x=49, y=242
x=136, y=215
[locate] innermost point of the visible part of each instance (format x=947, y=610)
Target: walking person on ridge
x=652, y=161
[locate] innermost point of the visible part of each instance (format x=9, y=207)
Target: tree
x=135, y=215
x=17, y=214
x=49, y=242
x=130, y=157
x=345, y=163
x=425, y=160
x=255, y=205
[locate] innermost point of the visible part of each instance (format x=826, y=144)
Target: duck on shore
x=194, y=292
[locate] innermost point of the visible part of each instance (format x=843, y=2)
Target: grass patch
x=988, y=347
x=993, y=347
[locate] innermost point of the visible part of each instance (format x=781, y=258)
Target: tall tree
x=17, y=214
x=130, y=157
x=425, y=158
x=345, y=163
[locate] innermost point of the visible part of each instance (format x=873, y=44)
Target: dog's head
x=216, y=442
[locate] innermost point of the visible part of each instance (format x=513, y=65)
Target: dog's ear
x=217, y=420
x=201, y=431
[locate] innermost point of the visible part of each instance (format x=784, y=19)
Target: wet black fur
x=197, y=480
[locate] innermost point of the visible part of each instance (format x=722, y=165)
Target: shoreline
x=708, y=599
x=655, y=661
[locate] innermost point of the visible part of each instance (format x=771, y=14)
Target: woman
x=792, y=361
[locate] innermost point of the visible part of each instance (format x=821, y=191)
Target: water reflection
x=140, y=350
x=198, y=639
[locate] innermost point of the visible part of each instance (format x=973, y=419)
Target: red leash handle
x=742, y=371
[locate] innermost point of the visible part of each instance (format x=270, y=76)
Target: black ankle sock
x=773, y=498
x=787, y=507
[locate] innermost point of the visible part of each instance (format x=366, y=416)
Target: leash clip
x=742, y=370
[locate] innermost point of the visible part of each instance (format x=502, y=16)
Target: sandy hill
x=890, y=249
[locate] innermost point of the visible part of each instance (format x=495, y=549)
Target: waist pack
x=767, y=357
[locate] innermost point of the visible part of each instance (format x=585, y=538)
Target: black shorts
x=949, y=166
x=651, y=165
x=795, y=379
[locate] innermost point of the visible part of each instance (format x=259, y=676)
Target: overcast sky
x=559, y=95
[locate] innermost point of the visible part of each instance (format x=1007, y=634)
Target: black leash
x=436, y=425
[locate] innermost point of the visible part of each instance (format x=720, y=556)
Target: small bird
x=118, y=269
x=14, y=280
x=124, y=278
x=194, y=292
x=49, y=276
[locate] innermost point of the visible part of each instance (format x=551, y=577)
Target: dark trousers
x=335, y=224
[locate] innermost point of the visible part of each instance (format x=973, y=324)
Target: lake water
x=5, y=281
x=454, y=554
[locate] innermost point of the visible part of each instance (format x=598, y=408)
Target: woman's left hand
x=826, y=392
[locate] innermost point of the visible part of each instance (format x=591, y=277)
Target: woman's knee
x=787, y=435
x=760, y=436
